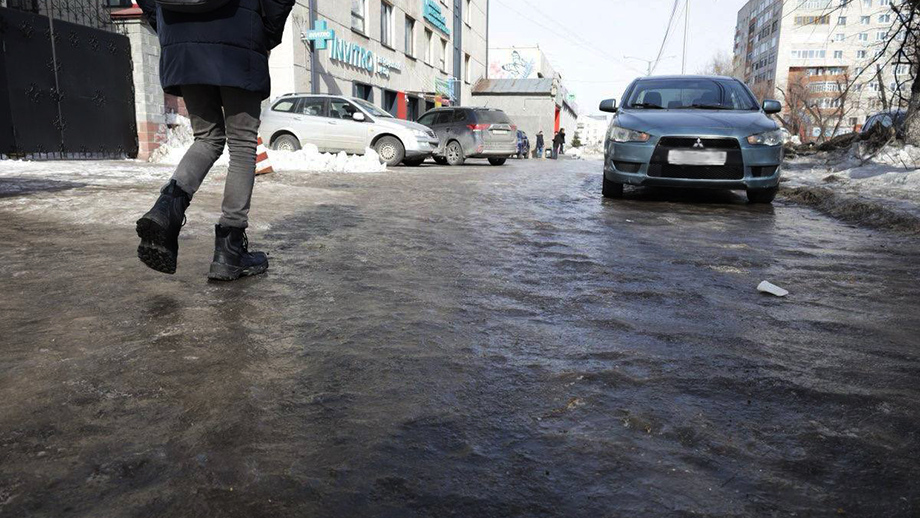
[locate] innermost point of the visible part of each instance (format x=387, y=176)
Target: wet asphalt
x=458, y=342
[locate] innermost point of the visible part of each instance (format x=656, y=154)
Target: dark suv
x=472, y=133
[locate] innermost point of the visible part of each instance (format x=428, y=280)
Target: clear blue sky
x=586, y=40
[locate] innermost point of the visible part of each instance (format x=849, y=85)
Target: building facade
x=823, y=59
x=523, y=84
x=406, y=56
x=592, y=129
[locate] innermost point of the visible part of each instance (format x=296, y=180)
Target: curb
x=851, y=209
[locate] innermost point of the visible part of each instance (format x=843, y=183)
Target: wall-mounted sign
x=444, y=87
x=349, y=53
x=433, y=14
x=320, y=34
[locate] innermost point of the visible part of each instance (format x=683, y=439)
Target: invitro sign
x=433, y=14
x=347, y=52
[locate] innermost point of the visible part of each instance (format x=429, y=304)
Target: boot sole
x=152, y=250
x=226, y=272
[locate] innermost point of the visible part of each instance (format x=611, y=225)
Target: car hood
x=399, y=124
x=696, y=122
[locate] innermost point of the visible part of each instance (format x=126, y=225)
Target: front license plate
x=684, y=157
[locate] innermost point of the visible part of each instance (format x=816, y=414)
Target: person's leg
x=232, y=258
x=207, y=117
x=242, y=109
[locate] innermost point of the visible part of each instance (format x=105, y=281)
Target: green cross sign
x=321, y=34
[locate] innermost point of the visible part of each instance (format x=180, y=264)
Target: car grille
x=732, y=170
x=696, y=172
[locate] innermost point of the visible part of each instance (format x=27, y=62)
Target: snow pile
x=894, y=172
x=180, y=137
x=587, y=152
x=310, y=159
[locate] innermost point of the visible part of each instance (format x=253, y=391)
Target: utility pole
x=648, y=62
x=683, y=65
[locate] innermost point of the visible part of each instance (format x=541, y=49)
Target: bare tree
x=816, y=102
x=719, y=65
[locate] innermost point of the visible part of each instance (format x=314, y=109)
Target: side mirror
x=609, y=105
x=359, y=117
x=770, y=107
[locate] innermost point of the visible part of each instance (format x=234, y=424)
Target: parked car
x=523, y=145
x=334, y=123
x=888, y=119
x=693, y=131
x=471, y=133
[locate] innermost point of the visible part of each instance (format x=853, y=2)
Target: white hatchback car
x=335, y=123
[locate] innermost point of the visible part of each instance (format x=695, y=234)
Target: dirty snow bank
x=587, y=152
x=882, y=190
x=180, y=138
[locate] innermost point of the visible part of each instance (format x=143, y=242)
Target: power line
x=664, y=42
x=571, y=36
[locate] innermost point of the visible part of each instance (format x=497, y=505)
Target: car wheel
x=391, y=151
x=497, y=161
x=455, y=154
x=286, y=143
x=762, y=195
x=413, y=162
x=440, y=160
x=612, y=189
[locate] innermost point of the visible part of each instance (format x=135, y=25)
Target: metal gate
x=66, y=89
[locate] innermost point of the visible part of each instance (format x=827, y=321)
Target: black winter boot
x=159, y=229
x=232, y=258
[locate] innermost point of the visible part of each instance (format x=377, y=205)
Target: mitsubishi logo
x=698, y=144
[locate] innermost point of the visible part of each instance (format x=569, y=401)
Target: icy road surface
x=473, y=342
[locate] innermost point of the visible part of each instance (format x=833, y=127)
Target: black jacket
x=559, y=139
x=540, y=140
x=225, y=47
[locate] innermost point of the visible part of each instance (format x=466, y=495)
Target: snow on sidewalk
x=180, y=138
x=893, y=174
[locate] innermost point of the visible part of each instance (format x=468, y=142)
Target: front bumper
x=422, y=148
x=640, y=164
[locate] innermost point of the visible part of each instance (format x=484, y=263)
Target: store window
x=364, y=91
x=429, y=47
x=410, y=36
x=359, y=15
x=412, y=108
x=386, y=24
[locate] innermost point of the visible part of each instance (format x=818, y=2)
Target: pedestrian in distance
x=214, y=54
x=558, y=143
x=540, y=144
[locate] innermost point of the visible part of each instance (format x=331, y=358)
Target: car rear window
x=492, y=117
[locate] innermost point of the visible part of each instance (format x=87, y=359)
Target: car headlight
x=768, y=138
x=419, y=134
x=618, y=134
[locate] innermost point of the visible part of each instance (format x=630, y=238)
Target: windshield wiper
x=646, y=105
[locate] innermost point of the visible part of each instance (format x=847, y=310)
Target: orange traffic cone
x=263, y=166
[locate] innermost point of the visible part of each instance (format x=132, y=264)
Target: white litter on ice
x=180, y=138
x=772, y=289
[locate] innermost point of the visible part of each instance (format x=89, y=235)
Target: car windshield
x=373, y=110
x=700, y=94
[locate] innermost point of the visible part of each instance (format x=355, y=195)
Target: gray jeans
x=219, y=116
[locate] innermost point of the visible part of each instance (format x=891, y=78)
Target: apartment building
x=820, y=58
x=406, y=56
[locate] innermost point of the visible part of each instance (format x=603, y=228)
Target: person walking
x=540, y=144
x=214, y=54
x=558, y=143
